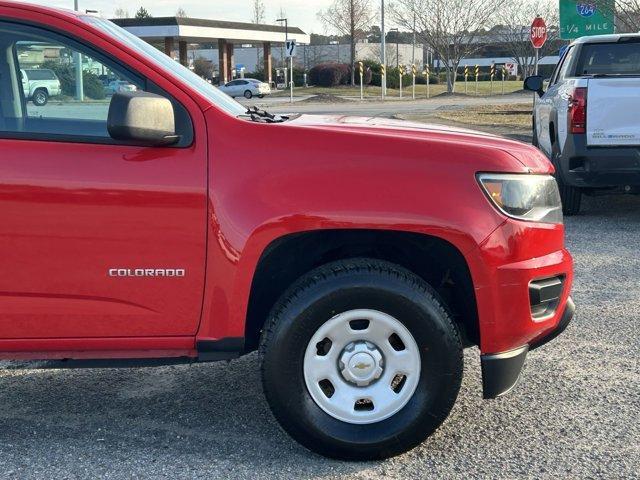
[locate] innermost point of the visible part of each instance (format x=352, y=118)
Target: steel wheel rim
x=373, y=371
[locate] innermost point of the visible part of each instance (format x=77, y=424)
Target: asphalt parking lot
x=574, y=414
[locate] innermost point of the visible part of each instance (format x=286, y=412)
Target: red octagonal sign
x=538, y=33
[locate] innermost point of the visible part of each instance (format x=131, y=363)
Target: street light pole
x=383, y=48
x=77, y=59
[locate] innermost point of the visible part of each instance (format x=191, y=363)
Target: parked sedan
x=246, y=87
x=120, y=86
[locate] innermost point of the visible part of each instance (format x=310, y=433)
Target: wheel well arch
x=433, y=259
x=37, y=89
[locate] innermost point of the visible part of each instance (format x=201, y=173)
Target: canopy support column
x=268, y=76
x=223, y=64
x=182, y=53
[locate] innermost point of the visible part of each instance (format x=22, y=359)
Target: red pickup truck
x=167, y=223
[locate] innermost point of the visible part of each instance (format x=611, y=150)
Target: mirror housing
x=142, y=118
x=534, y=83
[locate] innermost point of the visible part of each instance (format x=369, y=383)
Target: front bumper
x=523, y=276
x=599, y=167
x=501, y=371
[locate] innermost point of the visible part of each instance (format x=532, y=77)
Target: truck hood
x=529, y=156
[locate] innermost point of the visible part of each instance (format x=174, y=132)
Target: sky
x=301, y=13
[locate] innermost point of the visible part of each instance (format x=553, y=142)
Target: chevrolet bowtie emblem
x=361, y=365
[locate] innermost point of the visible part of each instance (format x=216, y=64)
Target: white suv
x=39, y=84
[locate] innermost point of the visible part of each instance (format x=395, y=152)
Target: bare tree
x=391, y=53
x=515, y=19
x=625, y=12
x=258, y=16
x=258, y=12
x=351, y=18
x=181, y=13
x=121, y=13
x=451, y=28
x=627, y=15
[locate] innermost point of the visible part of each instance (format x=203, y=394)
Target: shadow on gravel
x=151, y=421
x=615, y=208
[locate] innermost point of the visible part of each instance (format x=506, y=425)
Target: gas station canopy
x=196, y=30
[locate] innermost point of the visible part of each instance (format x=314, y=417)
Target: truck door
x=551, y=115
x=98, y=238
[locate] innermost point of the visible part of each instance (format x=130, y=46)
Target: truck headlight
x=533, y=198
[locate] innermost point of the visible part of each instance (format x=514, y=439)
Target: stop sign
x=538, y=33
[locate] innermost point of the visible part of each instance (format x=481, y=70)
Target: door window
x=66, y=88
x=563, y=71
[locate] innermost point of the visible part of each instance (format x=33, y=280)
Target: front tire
x=393, y=360
x=248, y=95
x=40, y=97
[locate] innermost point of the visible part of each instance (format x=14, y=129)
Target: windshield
x=212, y=93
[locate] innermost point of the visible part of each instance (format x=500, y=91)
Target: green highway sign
x=580, y=18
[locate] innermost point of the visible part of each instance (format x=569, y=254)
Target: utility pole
x=286, y=40
x=397, y=45
x=413, y=46
x=77, y=59
x=383, y=47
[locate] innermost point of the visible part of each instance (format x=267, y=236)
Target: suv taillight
x=578, y=110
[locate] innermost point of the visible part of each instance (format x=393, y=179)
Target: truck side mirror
x=143, y=118
x=535, y=84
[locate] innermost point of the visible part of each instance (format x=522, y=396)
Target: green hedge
x=93, y=87
x=330, y=75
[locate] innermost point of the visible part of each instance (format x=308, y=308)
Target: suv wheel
x=248, y=94
x=360, y=360
x=570, y=196
x=40, y=97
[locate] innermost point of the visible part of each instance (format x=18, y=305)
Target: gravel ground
x=574, y=415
